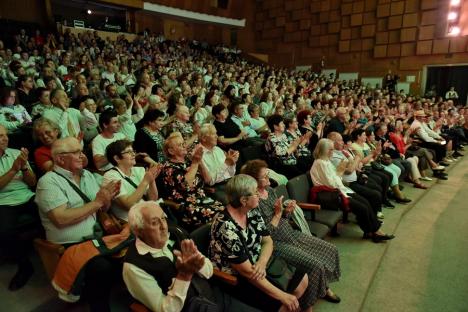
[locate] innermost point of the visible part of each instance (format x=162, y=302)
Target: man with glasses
x=68, y=218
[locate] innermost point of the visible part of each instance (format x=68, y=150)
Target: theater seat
x=316, y=228
x=299, y=188
x=50, y=254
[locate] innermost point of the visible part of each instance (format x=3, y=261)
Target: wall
x=24, y=10
x=367, y=36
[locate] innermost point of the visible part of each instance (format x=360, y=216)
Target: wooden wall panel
x=369, y=36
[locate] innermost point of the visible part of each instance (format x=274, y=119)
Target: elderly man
x=430, y=139
x=69, y=119
x=220, y=166
x=68, y=198
x=17, y=209
x=155, y=274
x=347, y=165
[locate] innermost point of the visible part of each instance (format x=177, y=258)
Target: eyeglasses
x=74, y=153
x=256, y=193
x=131, y=152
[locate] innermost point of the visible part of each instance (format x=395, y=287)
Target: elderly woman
x=363, y=146
x=47, y=132
x=324, y=173
x=183, y=181
x=148, y=138
x=282, y=152
x=303, y=154
x=304, y=121
x=136, y=182
x=317, y=257
x=241, y=245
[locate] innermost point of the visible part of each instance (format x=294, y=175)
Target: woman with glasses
x=184, y=179
x=315, y=256
x=136, y=183
x=241, y=245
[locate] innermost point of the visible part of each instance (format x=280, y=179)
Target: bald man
x=69, y=217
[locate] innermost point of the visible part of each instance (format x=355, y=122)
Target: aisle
x=425, y=268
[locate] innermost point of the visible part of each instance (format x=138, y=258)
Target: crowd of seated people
x=117, y=123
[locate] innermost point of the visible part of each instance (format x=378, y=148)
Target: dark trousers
x=373, y=196
x=100, y=274
x=439, y=149
x=405, y=167
x=365, y=215
x=382, y=178
x=18, y=226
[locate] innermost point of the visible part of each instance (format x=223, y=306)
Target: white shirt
x=143, y=287
x=424, y=132
x=324, y=173
x=215, y=163
x=126, y=188
x=69, y=120
x=100, y=143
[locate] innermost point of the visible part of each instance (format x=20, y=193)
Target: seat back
x=298, y=188
x=281, y=190
x=201, y=237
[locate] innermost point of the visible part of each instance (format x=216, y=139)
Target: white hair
x=135, y=215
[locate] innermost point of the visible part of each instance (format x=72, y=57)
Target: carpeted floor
x=423, y=269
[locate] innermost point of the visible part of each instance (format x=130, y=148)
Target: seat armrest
x=225, y=277
x=49, y=246
x=307, y=206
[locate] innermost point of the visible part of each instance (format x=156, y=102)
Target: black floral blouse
x=184, y=128
x=197, y=207
x=226, y=246
x=277, y=149
x=302, y=150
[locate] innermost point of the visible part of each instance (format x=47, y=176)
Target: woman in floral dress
x=182, y=181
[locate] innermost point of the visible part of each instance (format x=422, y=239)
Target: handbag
x=377, y=166
x=278, y=271
x=386, y=160
x=109, y=223
x=362, y=178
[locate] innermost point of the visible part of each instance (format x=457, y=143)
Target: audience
x=141, y=91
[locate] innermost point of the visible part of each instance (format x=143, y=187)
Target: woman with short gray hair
x=241, y=245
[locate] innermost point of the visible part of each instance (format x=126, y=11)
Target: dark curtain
x=444, y=77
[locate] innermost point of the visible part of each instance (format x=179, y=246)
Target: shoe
x=425, y=179
x=380, y=238
x=380, y=215
x=332, y=298
x=438, y=168
x=21, y=277
x=388, y=204
x=448, y=160
x=403, y=200
x=420, y=186
x=441, y=176
x=457, y=154
x=444, y=163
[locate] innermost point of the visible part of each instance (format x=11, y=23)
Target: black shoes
x=333, y=298
x=388, y=204
x=380, y=238
x=377, y=238
x=22, y=276
x=403, y=200
x=441, y=176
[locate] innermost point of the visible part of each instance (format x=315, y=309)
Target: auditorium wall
x=368, y=36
